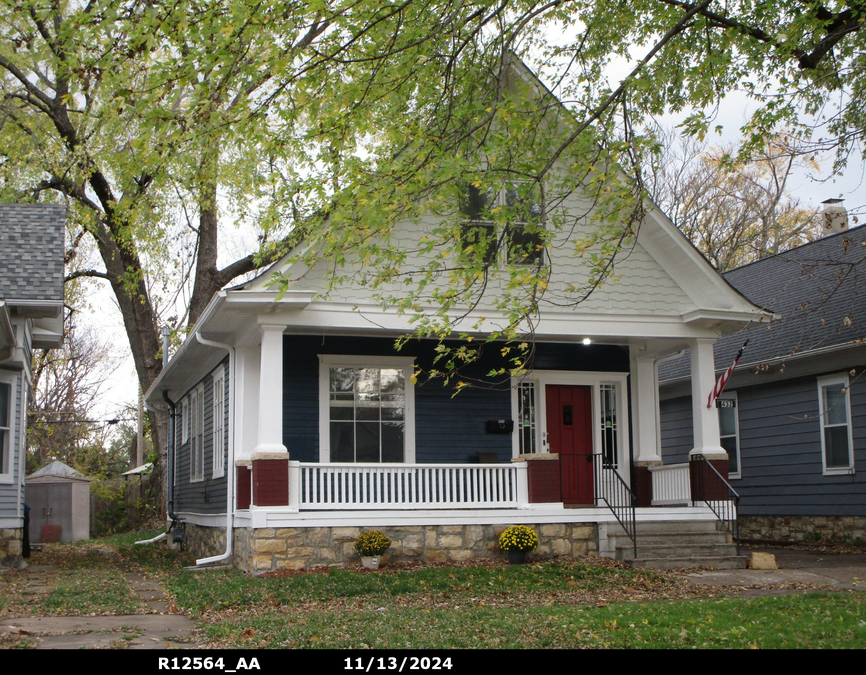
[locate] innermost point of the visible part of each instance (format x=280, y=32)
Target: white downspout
x=230, y=460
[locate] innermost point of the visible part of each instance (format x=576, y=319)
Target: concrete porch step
x=691, y=550
x=675, y=544
x=731, y=562
x=677, y=539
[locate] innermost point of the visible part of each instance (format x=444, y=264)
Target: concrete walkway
x=158, y=630
x=840, y=571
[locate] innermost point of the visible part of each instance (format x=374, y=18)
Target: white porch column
x=705, y=420
x=644, y=392
x=270, y=438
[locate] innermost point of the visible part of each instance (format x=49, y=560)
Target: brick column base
x=244, y=485
x=643, y=486
x=270, y=479
x=543, y=477
x=706, y=485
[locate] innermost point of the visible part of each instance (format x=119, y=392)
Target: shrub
x=518, y=538
x=372, y=543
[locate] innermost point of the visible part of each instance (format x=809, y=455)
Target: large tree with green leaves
x=333, y=120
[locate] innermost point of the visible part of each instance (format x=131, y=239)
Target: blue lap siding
x=448, y=428
x=780, y=450
x=207, y=496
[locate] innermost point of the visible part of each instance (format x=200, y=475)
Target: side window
x=219, y=423
x=6, y=431
x=196, y=446
x=729, y=432
x=834, y=412
x=184, y=421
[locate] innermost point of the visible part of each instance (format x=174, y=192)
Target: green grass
x=813, y=621
x=91, y=591
x=232, y=589
x=547, y=605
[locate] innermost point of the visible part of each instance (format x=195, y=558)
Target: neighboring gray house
x=794, y=425
x=31, y=317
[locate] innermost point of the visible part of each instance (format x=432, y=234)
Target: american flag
x=723, y=380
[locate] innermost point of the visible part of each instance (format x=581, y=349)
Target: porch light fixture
x=587, y=341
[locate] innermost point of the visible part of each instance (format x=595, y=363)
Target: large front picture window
x=367, y=413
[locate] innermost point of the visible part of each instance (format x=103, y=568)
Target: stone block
x=262, y=563
x=437, y=555
x=291, y=564
x=451, y=529
x=459, y=554
x=475, y=535
x=582, y=532
x=451, y=541
x=562, y=547
x=325, y=554
x=270, y=546
x=762, y=561
x=343, y=533
x=15, y=547
x=430, y=536
x=552, y=530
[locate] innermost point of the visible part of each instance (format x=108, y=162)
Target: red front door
x=569, y=433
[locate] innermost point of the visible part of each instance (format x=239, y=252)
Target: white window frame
x=8, y=477
x=830, y=380
x=593, y=379
x=196, y=435
x=218, y=422
x=732, y=396
x=184, y=421
x=404, y=363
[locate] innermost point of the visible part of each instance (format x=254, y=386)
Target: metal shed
x=59, y=499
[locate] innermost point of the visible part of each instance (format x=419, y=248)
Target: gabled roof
x=31, y=251
x=57, y=469
x=817, y=290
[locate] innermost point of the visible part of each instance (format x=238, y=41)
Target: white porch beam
x=705, y=420
x=270, y=438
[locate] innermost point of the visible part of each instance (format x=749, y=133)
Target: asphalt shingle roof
x=31, y=251
x=818, y=290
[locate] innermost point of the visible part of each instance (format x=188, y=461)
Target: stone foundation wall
x=204, y=542
x=804, y=528
x=295, y=548
x=11, y=542
x=272, y=549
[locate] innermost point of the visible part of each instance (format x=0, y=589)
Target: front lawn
x=588, y=603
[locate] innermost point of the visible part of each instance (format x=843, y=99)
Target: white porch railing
x=671, y=484
x=410, y=486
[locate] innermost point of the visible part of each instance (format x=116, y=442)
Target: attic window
x=517, y=209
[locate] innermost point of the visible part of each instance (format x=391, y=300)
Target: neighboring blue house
x=795, y=422
x=31, y=317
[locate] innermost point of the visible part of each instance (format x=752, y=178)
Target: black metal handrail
x=726, y=508
x=616, y=494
